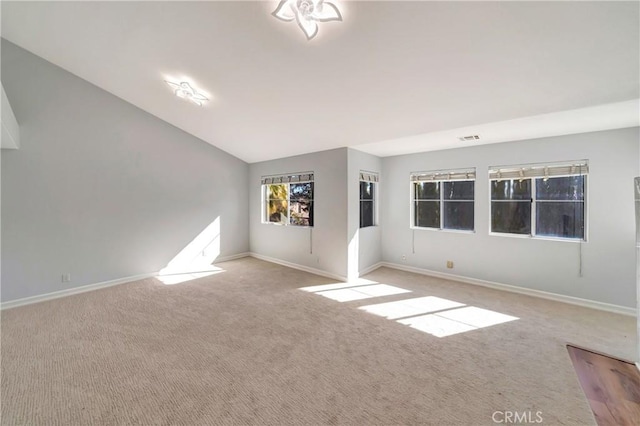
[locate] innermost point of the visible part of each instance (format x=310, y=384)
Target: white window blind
x=288, y=178
x=368, y=177
x=444, y=175
x=574, y=168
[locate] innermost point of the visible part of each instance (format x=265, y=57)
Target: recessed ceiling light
x=307, y=13
x=186, y=91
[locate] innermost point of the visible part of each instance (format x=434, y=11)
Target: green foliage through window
x=289, y=203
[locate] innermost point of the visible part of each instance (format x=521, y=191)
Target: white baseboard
x=299, y=267
x=232, y=257
x=371, y=268
x=76, y=290
x=490, y=284
x=90, y=287
x=514, y=289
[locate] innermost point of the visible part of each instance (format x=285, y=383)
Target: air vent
x=469, y=138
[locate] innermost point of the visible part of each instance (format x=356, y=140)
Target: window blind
x=288, y=178
x=574, y=168
x=444, y=175
x=368, y=177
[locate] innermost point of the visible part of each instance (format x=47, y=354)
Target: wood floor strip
x=611, y=385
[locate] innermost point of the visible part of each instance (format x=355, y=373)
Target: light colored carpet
x=246, y=346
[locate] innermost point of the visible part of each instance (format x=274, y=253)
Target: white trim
x=623, y=310
x=455, y=231
x=371, y=268
x=287, y=225
x=90, y=287
x=232, y=257
x=70, y=291
x=299, y=267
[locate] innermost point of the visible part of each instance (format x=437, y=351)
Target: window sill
x=537, y=237
x=284, y=225
x=453, y=231
x=371, y=226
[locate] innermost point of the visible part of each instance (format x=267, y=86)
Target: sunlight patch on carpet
x=337, y=286
x=182, y=278
x=198, y=255
x=437, y=316
x=362, y=292
x=477, y=317
x=429, y=314
x=457, y=320
x=411, y=307
x=436, y=325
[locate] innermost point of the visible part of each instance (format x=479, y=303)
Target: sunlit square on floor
x=181, y=278
x=430, y=314
x=457, y=320
x=477, y=317
x=411, y=307
x=362, y=292
x=324, y=287
x=436, y=325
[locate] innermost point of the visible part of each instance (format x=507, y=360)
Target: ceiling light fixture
x=307, y=14
x=185, y=91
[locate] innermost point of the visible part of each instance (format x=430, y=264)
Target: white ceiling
x=390, y=72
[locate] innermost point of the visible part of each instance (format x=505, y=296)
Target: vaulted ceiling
x=393, y=77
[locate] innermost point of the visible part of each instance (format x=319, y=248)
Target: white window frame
x=442, y=176
x=582, y=166
x=285, y=179
x=374, y=178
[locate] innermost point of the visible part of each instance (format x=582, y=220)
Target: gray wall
x=553, y=266
x=101, y=189
x=364, y=244
x=294, y=244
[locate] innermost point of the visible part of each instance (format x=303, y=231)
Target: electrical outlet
x=404, y=257
x=450, y=264
x=66, y=278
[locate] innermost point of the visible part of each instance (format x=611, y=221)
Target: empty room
x=314, y=212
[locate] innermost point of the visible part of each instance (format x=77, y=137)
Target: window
x=443, y=199
x=288, y=199
x=539, y=200
x=368, y=187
